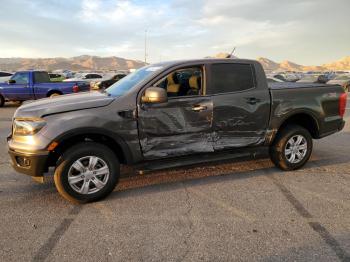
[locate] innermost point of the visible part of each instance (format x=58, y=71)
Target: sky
x=308, y=32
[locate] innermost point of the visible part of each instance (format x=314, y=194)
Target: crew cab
x=30, y=85
x=171, y=114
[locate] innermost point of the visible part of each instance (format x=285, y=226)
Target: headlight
x=27, y=126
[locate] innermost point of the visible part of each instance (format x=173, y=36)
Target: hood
x=65, y=103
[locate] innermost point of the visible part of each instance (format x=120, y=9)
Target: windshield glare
x=125, y=84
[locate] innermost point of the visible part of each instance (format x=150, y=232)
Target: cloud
x=308, y=31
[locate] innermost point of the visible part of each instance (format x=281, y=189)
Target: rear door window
x=41, y=77
x=227, y=78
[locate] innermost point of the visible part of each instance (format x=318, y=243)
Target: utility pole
x=146, y=46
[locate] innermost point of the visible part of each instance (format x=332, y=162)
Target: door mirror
x=155, y=95
x=11, y=81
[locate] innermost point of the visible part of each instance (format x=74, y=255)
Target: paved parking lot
x=245, y=210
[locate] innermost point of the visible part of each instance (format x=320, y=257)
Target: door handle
x=252, y=100
x=199, y=108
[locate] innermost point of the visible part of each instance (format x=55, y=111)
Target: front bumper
x=32, y=164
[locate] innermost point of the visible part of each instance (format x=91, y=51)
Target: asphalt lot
x=245, y=210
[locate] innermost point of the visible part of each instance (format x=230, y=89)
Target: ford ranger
x=170, y=114
x=29, y=85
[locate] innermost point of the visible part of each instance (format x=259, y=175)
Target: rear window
x=230, y=78
x=41, y=77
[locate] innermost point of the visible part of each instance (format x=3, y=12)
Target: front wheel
x=2, y=101
x=292, y=148
x=87, y=172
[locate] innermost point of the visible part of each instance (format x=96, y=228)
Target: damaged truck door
x=182, y=124
x=241, y=105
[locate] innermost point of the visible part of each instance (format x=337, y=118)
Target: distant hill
x=91, y=63
x=84, y=62
x=269, y=65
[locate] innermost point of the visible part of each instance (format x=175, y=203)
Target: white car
x=4, y=76
x=88, y=77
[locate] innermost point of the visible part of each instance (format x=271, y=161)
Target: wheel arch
x=109, y=139
x=54, y=91
x=304, y=119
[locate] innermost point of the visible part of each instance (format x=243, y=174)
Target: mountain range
x=78, y=63
x=91, y=63
x=269, y=65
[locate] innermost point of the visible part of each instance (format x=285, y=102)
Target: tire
x=86, y=184
x=2, y=101
x=282, y=149
x=54, y=95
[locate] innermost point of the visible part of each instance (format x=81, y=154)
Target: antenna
x=146, y=46
x=230, y=55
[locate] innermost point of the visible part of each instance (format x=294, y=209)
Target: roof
x=204, y=61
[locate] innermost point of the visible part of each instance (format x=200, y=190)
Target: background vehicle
x=343, y=80
x=55, y=77
x=271, y=79
x=88, y=77
x=313, y=79
x=29, y=85
x=167, y=115
x=101, y=85
x=4, y=76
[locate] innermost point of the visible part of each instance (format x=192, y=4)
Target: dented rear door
x=241, y=105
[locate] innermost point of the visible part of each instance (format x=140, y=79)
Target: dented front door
x=180, y=126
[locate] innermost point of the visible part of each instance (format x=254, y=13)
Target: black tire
x=2, y=101
x=78, y=152
x=278, y=153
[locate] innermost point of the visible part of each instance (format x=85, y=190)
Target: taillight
x=75, y=88
x=342, y=103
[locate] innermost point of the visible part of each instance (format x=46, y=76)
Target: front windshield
x=125, y=84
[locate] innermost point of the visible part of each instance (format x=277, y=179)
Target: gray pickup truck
x=170, y=114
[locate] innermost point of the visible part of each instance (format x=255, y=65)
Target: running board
x=194, y=160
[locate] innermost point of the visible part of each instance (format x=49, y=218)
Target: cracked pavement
x=243, y=210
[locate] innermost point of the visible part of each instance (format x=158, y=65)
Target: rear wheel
x=87, y=172
x=292, y=148
x=54, y=95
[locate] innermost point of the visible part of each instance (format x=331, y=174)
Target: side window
x=230, y=78
x=41, y=77
x=21, y=78
x=183, y=82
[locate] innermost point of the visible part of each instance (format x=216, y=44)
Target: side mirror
x=11, y=81
x=155, y=95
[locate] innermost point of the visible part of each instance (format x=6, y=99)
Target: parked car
x=343, y=80
x=271, y=79
x=322, y=79
x=167, y=115
x=5, y=76
x=88, y=77
x=101, y=85
x=29, y=85
x=55, y=77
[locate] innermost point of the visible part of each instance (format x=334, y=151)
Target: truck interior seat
x=173, y=88
x=194, y=83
